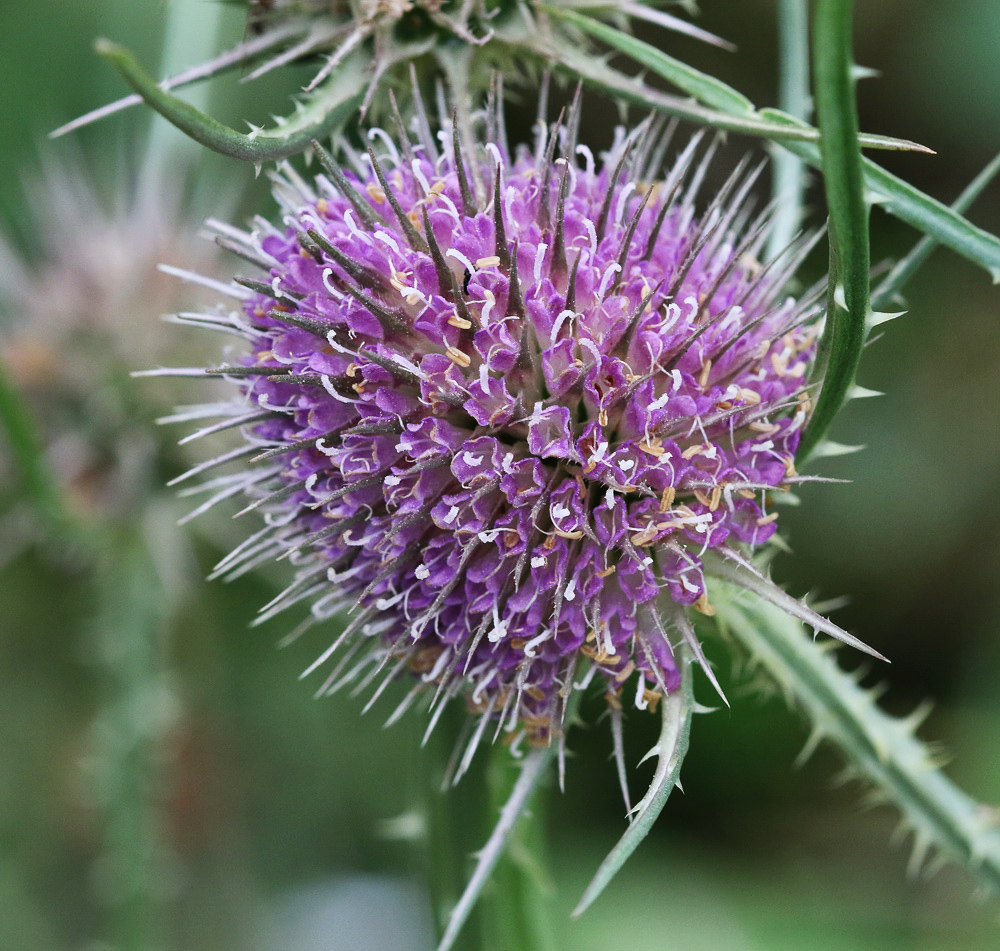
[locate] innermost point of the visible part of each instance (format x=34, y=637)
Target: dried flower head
x=80, y=314
x=504, y=405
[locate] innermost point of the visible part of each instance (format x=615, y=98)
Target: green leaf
x=908, y=266
x=911, y=205
x=881, y=748
x=731, y=109
x=670, y=749
x=847, y=297
x=897, y=197
x=324, y=112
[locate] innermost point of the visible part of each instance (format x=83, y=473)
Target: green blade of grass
x=844, y=335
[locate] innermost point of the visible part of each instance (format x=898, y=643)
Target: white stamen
x=529, y=648
x=452, y=514
x=539, y=258
x=640, y=693
x=491, y=147
x=418, y=174
x=622, y=199
x=538, y=562
x=462, y=259
x=570, y=593
x=563, y=316
x=609, y=273
x=422, y=572
x=470, y=459
x=387, y=240
x=592, y=234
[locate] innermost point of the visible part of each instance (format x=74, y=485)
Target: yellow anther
x=706, y=369
x=490, y=261
x=458, y=357
x=667, y=498
x=702, y=606
x=563, y=534
x=376, y=193
x=692, y=451
x=625, y=672
x=767, y=519
x=459, y=322
x=651, y=447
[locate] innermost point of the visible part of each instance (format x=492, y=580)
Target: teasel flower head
x=507, y=408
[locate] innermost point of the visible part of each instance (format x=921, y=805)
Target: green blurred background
x=164, y=773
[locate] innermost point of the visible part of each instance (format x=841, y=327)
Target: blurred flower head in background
x=84, y=304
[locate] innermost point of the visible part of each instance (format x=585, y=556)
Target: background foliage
x=272, y=807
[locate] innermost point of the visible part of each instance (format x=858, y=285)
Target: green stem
x=880, y=748
x=28, y=452
x=515, y=906
x=452, y=827
x=793, y=97
x=128, y=735
x=846, y=316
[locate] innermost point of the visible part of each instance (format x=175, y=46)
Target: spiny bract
x=502, y=405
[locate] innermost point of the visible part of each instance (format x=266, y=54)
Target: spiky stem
x=881, y=748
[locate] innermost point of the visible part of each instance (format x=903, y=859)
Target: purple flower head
x=503, y=404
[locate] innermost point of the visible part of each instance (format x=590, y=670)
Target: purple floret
x=507, y=442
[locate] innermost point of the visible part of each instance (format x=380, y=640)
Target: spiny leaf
x=880, y=748
x=325, y=111
x=897, y=197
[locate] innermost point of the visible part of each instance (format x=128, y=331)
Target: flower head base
x=503, y=405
